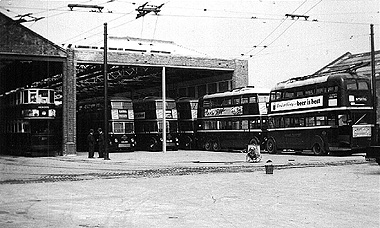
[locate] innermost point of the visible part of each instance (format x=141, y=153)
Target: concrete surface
x=189, y=189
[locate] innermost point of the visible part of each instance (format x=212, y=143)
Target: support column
x=240, y=75
x=69, y=104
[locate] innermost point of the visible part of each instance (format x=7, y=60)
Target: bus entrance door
x=344, y=131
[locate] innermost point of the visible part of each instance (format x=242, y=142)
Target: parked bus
x=330, y=112
x=121, y=133
x=232, y=119
x=187, y=122
x=149, y=120
x=28, y=124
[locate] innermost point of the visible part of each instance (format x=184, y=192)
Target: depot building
x=135, y=69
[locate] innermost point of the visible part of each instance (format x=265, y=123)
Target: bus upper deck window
x=245, y=100
x=309, y=92
x=288, y=95
x=278, y=95
x=227, y=101
x=252, y=100
x=237, y=100
x=299, y=94
x=320, y=90
x=33, y=96
x=116, y=105
x=273, y=96
x=362, y=85
x=43, y=96
x=351, y=85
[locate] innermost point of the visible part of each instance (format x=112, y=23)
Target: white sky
x=276, y=47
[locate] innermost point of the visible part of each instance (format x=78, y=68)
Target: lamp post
x=373, y=80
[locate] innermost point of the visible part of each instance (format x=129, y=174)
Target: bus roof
x=152, y=98
x=187, y=99
x=311, y=80
x=238, y=91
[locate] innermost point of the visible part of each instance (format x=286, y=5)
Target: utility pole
x=373, y=77
x=163, y=110
x=106, y=152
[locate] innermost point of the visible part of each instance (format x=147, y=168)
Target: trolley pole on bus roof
x=106, y=154
x=163, y=110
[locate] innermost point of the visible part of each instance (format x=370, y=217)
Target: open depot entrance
x=135, y=81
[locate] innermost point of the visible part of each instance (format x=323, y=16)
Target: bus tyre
x=216, y=146
x=208, y=145
x=188, y=143
x=271, y=146
x=153, y=145
x=254, y=141
x=318, y=149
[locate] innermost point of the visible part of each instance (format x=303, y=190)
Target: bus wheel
x=153, y=145
x=216, y=145
x=254, y=141
x=208, y=145
x=318, y=149
x=271, y=146
x=188, y=143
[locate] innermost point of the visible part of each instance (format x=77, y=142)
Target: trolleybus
x=233, y=119
x=28, y=124
x=149, y=123
x=329, y=112
x=90, y=115
x=187, y=121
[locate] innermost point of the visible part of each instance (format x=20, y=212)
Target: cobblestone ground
x=345, y=195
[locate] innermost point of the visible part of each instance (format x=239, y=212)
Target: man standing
x=91, y=143
x=101, y=143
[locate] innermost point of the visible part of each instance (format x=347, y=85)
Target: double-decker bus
x=149, y=123
x=121, y=133
x=329, y=112
x=28, y=124
x=187, y=122
x=232, y=119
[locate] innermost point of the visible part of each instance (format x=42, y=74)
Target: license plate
x=124, y=145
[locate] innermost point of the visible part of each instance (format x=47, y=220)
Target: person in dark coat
x=91, y=143
x=101, y=143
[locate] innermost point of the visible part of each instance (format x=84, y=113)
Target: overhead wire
x=227, y=17
x=275, y=29
x=288, y=26
x=87, y=31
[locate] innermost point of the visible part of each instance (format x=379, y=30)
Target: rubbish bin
x=269, y=167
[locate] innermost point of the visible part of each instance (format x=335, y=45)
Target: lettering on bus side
x=227, y=111
x=308, y=102
x=139, y=115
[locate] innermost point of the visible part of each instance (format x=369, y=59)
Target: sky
x=277, y=47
